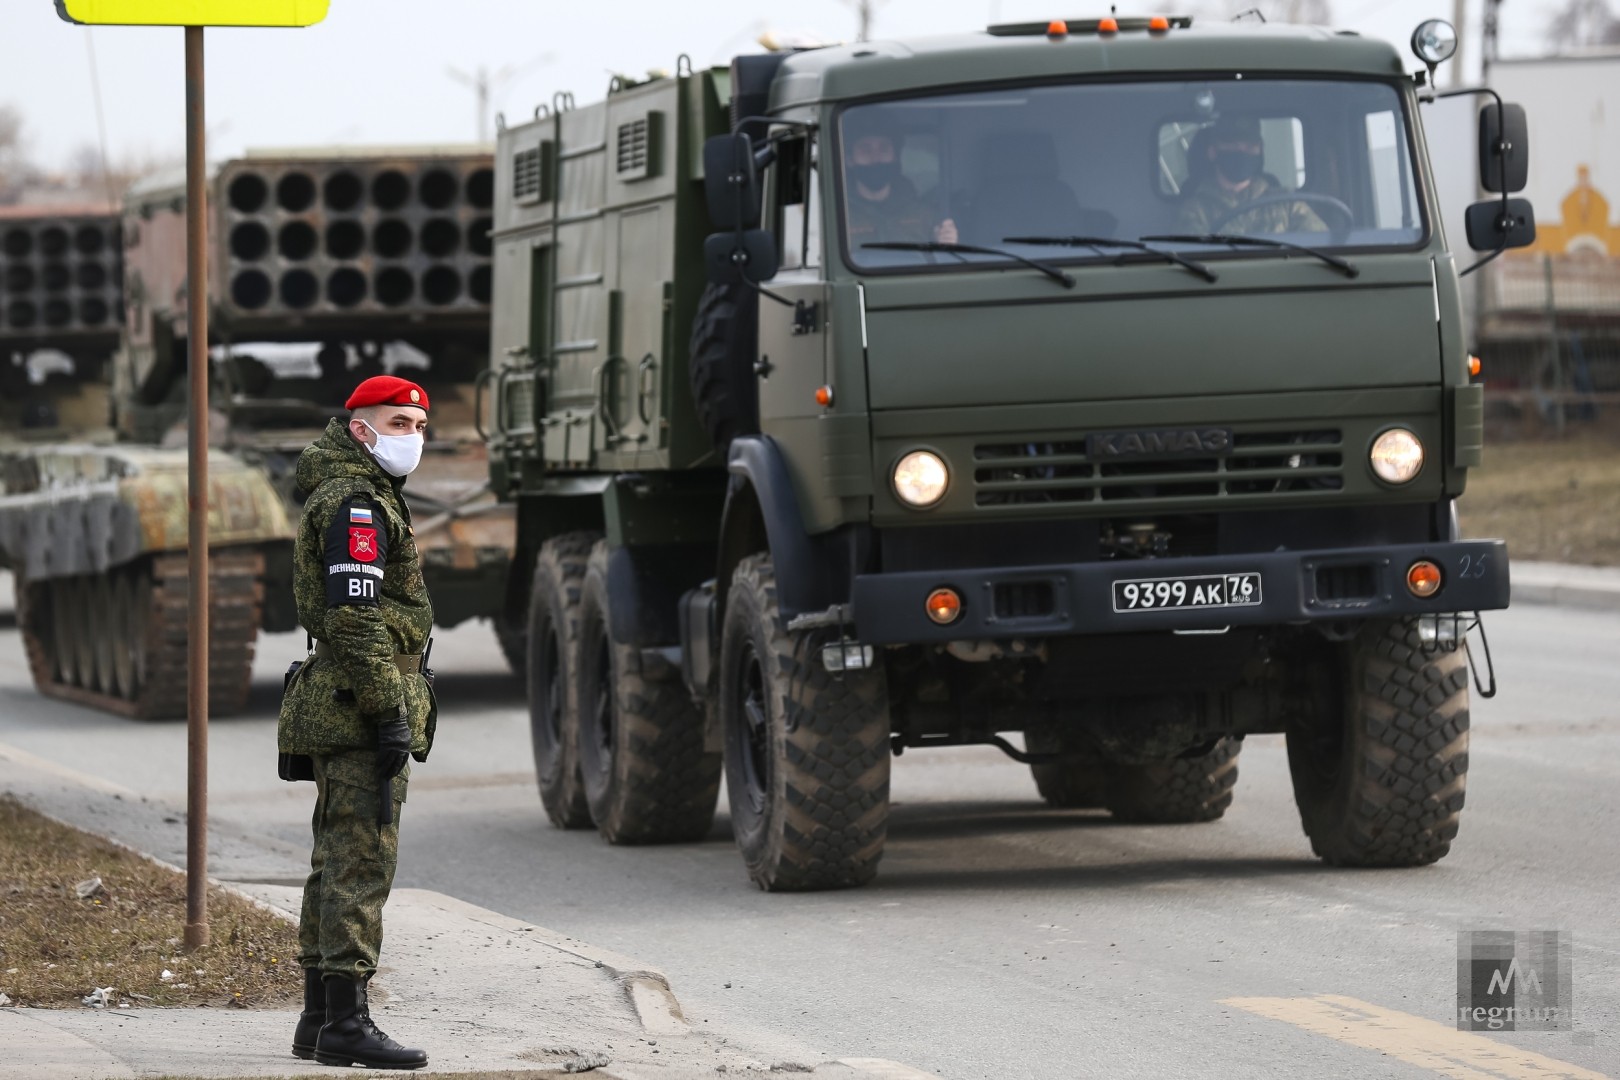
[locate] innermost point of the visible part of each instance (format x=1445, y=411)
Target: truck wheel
x=807, y=753
x=725, y=334
x=1073, y=783
x=648, y=779
x=559, y=576
x=1177, y=792
x=1380, y=768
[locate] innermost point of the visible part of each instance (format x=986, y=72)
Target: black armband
x=356, y=551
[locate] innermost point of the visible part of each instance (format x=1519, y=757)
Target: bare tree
x=15, y=168
x=1581, y=23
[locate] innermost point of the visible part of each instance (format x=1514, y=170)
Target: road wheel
x=1381, y=766
x=807, y=753
x=725, y=390
x=103, y=631
x=1181, y=791
x=1075, y=782
x=647, y=777
x=553, y=633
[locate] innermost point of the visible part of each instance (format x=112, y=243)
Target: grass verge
x=57, y=947
x=1555, y=501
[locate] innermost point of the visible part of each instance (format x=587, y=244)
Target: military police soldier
x=357, y=709
x=1235, y=177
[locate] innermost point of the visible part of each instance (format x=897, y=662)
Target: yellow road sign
x=193, y=12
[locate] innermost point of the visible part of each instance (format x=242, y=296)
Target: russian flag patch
x=359, y=515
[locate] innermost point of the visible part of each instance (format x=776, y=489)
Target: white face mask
x=397, y=454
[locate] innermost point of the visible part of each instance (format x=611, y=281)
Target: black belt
x=408, y=663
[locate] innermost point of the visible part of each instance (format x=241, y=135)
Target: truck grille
x=1258, y=464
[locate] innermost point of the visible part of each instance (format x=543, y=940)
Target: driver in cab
x=1234, y=178
x=881, y=204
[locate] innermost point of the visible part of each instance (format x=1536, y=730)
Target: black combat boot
x=313, y=1016
x=350, y=1038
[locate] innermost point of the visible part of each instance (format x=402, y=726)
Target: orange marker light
x=1473, y=365
x=1158, y=24
x=1108, y=25
x=1423, y=578
x=944, y=606
x=1057, y=28
x=824, y=396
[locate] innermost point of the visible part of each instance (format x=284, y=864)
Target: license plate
x=1203, y=591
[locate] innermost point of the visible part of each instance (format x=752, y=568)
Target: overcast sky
x=375, y=70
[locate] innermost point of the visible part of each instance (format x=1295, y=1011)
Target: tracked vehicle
x=325, y=266
x=808, y=477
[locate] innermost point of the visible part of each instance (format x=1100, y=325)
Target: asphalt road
x=1003, y=939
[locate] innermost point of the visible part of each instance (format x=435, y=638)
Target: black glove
x=393, y=751
x=393, y=744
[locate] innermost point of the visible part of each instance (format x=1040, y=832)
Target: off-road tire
x=1380, y=770
x=1182, y=791
x=647, y=777
x=807, y=752
x=725, y=391
x=553, y=642
x=1073, y=783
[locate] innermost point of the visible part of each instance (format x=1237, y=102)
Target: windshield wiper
x=1346, y=268
x=1100, y=242
x=1066, y=280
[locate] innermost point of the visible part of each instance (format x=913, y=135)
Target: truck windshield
x=1321, y=163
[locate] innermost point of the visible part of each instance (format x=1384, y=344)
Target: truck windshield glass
x=1321, y=163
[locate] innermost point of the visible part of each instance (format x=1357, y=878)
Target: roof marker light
x=1108, y=25
x=1158, y=25
x=1057, y=28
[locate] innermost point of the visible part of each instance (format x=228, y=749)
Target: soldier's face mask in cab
x=397, y=454
x=1237, y=166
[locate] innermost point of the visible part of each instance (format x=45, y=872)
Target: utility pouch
x=294, y=767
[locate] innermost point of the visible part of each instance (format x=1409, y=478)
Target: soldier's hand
x=393, y=744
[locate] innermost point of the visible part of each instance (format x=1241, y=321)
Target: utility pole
x=482, y=82
x=1459, y=19
x=1488, y=40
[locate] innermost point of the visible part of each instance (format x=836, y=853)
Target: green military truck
x=1100, y=381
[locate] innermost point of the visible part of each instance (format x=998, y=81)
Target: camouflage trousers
x=351, y=867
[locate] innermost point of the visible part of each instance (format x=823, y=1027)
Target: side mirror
x=1495, y=225
x=731, y=181
x=1504, y=148
x=743, y=256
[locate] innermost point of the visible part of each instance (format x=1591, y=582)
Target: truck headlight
x=920, y=479
x=1397, y=456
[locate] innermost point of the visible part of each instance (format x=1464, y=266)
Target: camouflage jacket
x=903, y=216
x=358, y=584
x=1209, y=202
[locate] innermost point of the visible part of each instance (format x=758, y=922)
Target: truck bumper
x=1294, y=587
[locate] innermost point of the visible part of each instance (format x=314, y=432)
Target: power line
x=101, y=121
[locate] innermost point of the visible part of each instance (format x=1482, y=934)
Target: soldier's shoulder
x=331, y=495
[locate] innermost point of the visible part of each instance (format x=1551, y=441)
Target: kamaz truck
x=1099, y=382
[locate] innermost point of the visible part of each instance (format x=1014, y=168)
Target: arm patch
x=356, y=551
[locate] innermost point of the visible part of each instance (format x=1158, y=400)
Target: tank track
x=117, y=641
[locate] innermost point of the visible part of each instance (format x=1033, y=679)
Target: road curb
x=1590, y=588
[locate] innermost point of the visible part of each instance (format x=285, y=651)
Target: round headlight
x=920, y=478
x=1397, y=456
x=1434, y=41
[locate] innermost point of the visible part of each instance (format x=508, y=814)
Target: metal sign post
x=194, y=15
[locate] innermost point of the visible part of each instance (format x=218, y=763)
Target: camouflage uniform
x=903, y=216
x=365, y=615
x=1210, y=201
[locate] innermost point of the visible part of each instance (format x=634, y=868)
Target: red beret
x=387, y=390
